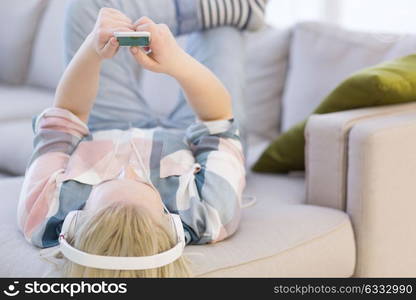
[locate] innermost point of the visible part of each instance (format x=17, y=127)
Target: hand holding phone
x=133, y=38
x=166, y=55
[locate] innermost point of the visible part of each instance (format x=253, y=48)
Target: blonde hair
x=123, y=229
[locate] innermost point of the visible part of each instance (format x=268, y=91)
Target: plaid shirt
x=199, y=173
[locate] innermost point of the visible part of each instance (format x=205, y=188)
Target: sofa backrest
x=323, y=55
x=47, y=61
x=19, y=23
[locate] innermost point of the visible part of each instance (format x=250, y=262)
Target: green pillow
x=388, y=83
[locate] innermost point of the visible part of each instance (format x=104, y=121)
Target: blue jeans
x=120, y=103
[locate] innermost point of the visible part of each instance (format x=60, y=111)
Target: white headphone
x=119, y=262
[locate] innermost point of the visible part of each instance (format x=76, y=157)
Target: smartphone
x=134, y=38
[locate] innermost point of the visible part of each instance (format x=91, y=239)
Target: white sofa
x=351, y=215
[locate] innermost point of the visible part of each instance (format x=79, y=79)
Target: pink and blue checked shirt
x=199, y=173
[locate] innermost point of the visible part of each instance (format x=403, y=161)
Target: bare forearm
x=204, y=91
x=78, y=87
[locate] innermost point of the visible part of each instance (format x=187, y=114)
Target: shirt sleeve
x=214, y=209
x=57, y=133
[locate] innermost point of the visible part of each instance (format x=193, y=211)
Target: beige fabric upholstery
x=278, y=237
x=15, y=156
x=326, y=152
x=18, y=102
x=267, y=58
x=296, y=262
x=382, y=195
x=19, y=23
x=321, y=57
x=18, y=106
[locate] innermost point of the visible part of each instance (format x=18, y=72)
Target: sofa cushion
x=267, y=58
x=388, y=83
x=285, y=154
x=22, y=102
x=321, y=57
x=278, y=237
x=19, y=24
x=19, y=105
x=18, y=149
x=47, y=63
x=405, y=45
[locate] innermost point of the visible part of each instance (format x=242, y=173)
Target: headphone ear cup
x=70, y=224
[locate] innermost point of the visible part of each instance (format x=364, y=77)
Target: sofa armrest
x=327, y=142
x=381, y=195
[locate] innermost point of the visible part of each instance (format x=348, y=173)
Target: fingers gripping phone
x=134, y=38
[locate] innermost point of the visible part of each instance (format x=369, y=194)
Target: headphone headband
x=119, y=262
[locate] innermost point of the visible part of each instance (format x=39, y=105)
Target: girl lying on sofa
x=107, y=177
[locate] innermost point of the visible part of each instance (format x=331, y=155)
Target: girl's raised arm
x=78, y=86
x=205, y=93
